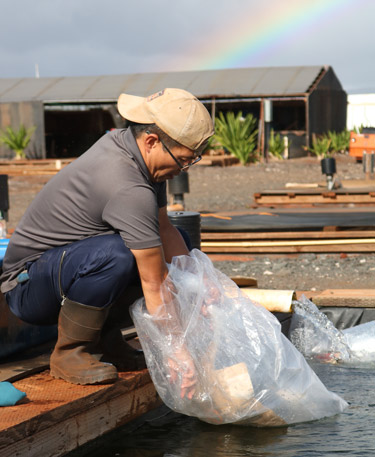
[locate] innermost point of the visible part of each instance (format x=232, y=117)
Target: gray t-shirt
x=106, y=190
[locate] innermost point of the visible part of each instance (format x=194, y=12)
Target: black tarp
x=287, y=220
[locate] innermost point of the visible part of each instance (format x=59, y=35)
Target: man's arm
x=152, y=272
x=173, y=243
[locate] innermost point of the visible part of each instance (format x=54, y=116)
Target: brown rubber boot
x=79, y=328
x=112, y=347
x=123, y=355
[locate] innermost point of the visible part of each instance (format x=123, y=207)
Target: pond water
x=167, y=434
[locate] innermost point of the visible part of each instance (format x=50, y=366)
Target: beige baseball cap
x=175, y=111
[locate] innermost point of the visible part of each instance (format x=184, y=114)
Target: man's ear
x=150, y=139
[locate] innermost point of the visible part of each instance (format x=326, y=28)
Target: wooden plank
x=221, y=160
x=244, y=281
x=12, y=371
x=351, y=298
x=346, y=185
x=52, y=163
x=273, y=249
x=314, y=199
x=320, y=191
x=33, y=167
x=243, y=244
x=28, y=172
x=210, y=236
x=58, y=417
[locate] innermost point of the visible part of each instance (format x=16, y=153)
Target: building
x=70, y=113
x=361, y=111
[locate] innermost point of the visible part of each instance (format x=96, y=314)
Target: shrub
x=276, y=145
x=17, y=140
x=339, y=141
x=238, y=135
x=321, y=146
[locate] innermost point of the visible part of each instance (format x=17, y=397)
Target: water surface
x=167, y=434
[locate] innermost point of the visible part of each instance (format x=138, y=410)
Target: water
x=315, y=336
x=164, y=433
x=174, y=435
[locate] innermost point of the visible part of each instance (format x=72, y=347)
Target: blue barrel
x=3, y=247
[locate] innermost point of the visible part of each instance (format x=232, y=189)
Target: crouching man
x=99, y=226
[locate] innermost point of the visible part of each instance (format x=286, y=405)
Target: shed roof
x=242, y=82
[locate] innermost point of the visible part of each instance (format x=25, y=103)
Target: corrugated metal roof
x=242, y=82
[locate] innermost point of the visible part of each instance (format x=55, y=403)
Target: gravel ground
x=232, y=188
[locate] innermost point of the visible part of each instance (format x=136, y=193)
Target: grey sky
x=94, y=37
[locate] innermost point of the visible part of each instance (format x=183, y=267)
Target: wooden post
x=368, y=164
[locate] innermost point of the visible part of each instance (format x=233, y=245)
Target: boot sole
x=85, y=380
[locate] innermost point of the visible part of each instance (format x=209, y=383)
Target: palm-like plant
x=17, y=140
x=339, y=141
x=238, y=135
x=321, y=147
x=276, y=145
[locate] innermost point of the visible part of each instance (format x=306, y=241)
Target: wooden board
x=346, y=184
x=325, y=198
x=57, y=417
x=219, y=160
x=351, y=298
x=33, y=167
x=294, y=246
x=288, y=235
x=244, y=281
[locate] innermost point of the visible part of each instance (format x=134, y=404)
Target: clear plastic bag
x=248, y=372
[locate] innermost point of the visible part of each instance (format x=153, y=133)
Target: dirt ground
x=214, y=188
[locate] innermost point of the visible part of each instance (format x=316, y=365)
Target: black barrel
x=179, y=184
x=189, y=221
x=328, y=165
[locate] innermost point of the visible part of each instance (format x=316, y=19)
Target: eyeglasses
x=179, y=164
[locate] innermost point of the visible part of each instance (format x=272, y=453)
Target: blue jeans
x=94, y=271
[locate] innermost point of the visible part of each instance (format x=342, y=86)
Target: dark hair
x=138, y=129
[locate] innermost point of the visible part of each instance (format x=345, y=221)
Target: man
x=100, y=224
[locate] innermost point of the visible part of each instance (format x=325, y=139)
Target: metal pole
x=267, y=126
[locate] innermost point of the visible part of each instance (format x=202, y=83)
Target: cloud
x=92, y=37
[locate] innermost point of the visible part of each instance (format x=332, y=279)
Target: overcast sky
x=97, y=37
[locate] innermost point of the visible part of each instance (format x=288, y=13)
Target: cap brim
x=133, y=108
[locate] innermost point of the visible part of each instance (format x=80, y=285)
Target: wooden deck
x=57, y=417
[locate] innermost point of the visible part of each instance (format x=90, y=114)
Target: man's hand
x=181, y=367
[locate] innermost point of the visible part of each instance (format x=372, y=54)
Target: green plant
x=238, y=135
x=17, y=140
x=212, y=144
x=359, y=129
x=339, y=141
x=321, y=146
x=276, y=145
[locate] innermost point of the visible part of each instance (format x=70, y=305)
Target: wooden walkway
x=57, y=417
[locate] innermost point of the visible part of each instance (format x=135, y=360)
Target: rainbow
x=254, y=33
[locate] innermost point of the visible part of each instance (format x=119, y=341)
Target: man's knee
x=105, y=254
